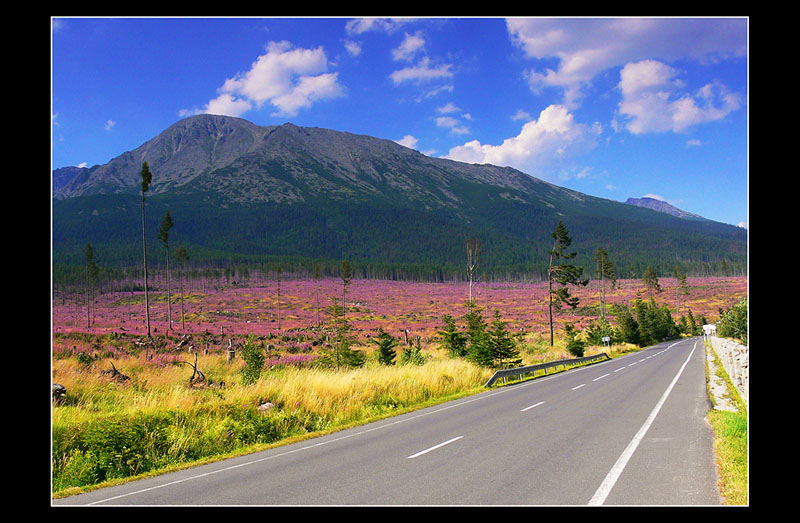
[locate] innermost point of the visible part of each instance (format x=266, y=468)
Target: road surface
x=628, y=431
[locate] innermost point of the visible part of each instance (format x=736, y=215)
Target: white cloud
x=82, y=164
x=110, y=125
x=655, y=197
x=555, y=136
x=362, y=25
x=423, y=71
x=410, y=45
x=408, y=141
x=353, y=48
x=586, y=47
x=449, y=107
x=521, y=115
x=652, y=101
x=287, y=78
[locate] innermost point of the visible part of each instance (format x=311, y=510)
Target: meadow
x=107, y=430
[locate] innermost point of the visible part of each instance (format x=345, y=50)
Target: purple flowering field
x=252, y=307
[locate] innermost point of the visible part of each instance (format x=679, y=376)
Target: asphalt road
x=629, y=431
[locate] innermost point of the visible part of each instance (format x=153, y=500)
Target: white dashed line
x=420, y=453
x=534, y=405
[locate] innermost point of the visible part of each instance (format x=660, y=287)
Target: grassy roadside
x=731, y=440
x=106, y=432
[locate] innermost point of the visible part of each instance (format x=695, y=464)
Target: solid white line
x=579, y=386
x=608, y=483
x=435, y=447
x=528, y=408
x=600, y=377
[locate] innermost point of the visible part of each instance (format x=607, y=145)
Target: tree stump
x=115, y=375
x=58, y=392
x=231, y=352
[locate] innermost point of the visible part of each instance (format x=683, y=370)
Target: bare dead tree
x=473, y=249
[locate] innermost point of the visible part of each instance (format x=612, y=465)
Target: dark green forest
x=385, y=241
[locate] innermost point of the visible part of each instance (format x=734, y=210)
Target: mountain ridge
x=237, y=190
x=662, y=206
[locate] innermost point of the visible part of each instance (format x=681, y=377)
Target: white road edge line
x=608, y=483
x=528, y=408
x=420, y=453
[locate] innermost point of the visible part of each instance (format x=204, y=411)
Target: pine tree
x=147, y=179
x=452, y=339
x=479, y=350
x=562, y=274
x=628, y=326
x=339, y=352
x=605, y=271
x=504, y=350
x=681, y=289
x=386, y=345
x=347, y=276
x=163, y=235
x=651, y=281
x=181, y=256
x=91, y=276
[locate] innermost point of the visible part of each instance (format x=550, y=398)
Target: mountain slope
x=662, y=206
x=246, y=193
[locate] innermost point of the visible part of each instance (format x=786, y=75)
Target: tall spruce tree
x=147, y=179
x=91, y=276
x=163, y=236
x=347, y=276
x=562, y=274
x=650, y=280
x=605, y=272
x=181, y=256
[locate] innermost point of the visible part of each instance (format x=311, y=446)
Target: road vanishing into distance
x=627, y=431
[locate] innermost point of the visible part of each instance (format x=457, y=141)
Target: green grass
x=731, y=444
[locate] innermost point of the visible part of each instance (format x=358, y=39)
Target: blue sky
x=615, y=108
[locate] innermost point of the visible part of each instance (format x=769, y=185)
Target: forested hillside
x=243, y=194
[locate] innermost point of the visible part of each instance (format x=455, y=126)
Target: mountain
x=242, y=193
x=662, y=206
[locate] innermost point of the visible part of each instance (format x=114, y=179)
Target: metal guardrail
x=519, y=371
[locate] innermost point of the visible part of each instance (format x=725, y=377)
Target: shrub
x=575, y=346
x=254, y=357
x=733, y=322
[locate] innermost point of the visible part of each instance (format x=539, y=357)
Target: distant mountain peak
x=661, y=206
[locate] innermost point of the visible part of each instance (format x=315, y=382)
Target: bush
x=733, y=322
x=575, y=346
x=254, y=357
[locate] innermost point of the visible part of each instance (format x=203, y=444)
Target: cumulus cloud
x=353, y=48
x=409, y=47
x=408, y=141
x=287, y=78
x=422, y=72
x=586, y=47
x=363, y=25
x=554, y=136
x=652, y=100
